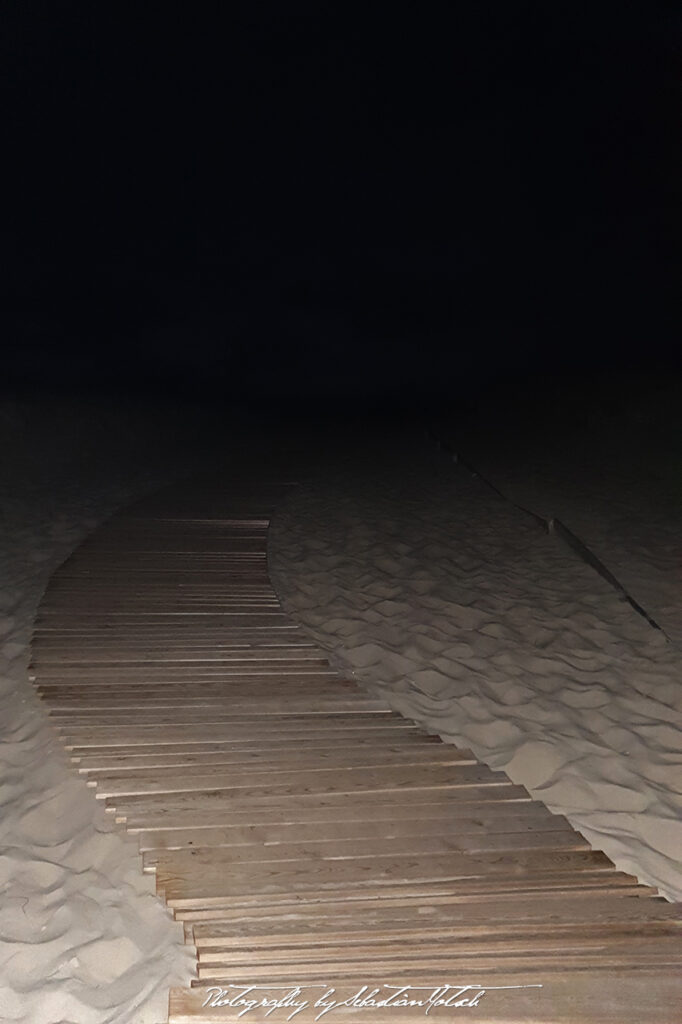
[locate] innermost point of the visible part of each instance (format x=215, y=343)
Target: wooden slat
x=252, y=890
x=445, y=812
x=358, y=847
x=219, y=808
x=349, y=779
x=210, y=711
x=338, y=839
x=288, y=759
x=500, y=956
x=297, y=728
x=225, y=689
x=471, y=904
x=379, y=742
x=610, y=996
x=341, y=922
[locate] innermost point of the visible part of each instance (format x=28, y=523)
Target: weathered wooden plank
x=298, y=727
x=210, y=810
x=386, y=858
x=380, y=742
x=168, y=603
x=192, y=649
x=471, y=905
x=366, y=757
x=219, y=578
x=378, y=734
x=653, y=937
x=146, y=704
x=338, y=841
x=172, y=676
x=494, y=828
x=609, y=996
x=321, y=816
x=365, y=846
x=583, y=913
x=70, y=695
x=346, y=780
x=162, y=654
x=218, y=808
x=226, y=710
x=503, y=954
x=213, y=893
x=213, y=877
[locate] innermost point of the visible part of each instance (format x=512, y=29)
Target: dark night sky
x=272, y=199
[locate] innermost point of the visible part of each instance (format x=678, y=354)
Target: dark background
x=384, y=204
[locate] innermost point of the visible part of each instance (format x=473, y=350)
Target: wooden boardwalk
x=305, y=834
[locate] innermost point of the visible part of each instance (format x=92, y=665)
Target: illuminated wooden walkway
x=304, y=833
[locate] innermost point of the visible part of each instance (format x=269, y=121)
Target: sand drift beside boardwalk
x=83, y=938
x=466, y=617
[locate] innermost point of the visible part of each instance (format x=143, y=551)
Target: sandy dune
x=468, y=618
x=427, y=587
x=83, y=938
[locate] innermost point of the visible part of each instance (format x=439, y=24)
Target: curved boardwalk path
x=304, y=833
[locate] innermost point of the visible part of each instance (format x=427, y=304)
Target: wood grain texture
x=303, y=832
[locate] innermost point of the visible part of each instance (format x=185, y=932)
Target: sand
x=456, y=608
x=607, y=461
x=421, y=583
x=83, y=938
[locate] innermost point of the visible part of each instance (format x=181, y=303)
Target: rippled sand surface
x=465, y=616
x=83, y=938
